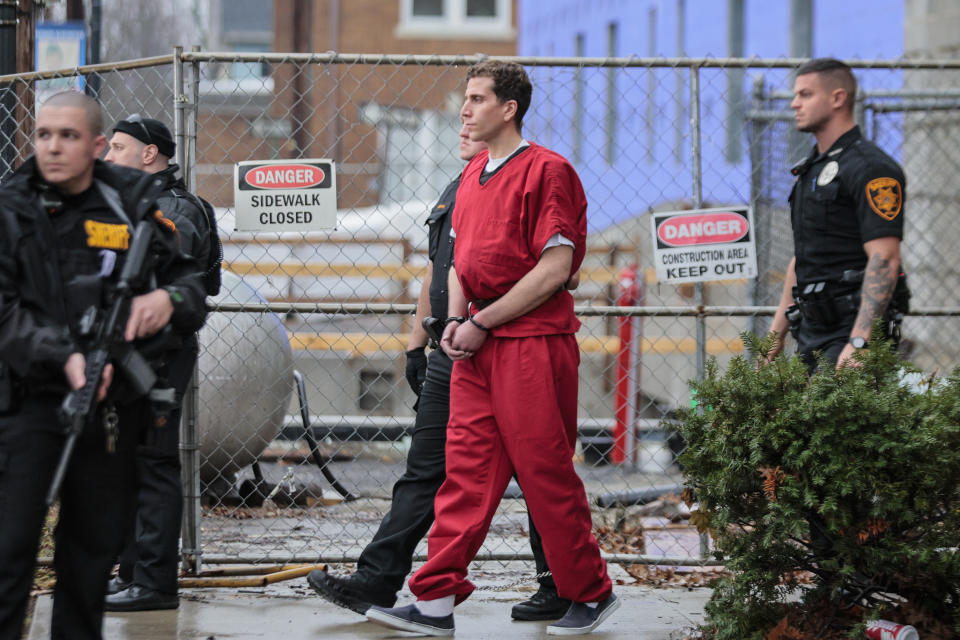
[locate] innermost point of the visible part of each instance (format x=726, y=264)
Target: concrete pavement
x=291, y=611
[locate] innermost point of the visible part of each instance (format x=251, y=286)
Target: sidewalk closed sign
x=704, y=244
x=285, y=195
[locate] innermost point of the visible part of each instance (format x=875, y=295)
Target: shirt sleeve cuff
x=557, y=240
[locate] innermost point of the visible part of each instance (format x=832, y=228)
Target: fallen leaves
x=629, y=541
x=688, y=577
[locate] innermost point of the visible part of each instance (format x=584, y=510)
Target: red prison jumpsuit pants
x=513, y=409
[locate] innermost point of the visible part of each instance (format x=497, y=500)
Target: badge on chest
x=828, y=173
x=104, y=235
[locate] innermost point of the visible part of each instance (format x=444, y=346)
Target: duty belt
x=825, y=309
x=829, y=302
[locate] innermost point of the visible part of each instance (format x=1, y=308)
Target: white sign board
x=285, y=195
x=59, y=45
x=704, y=244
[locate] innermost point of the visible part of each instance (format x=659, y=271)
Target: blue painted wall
x=651, y=151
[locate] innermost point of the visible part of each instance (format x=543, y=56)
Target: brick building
x=391, y=129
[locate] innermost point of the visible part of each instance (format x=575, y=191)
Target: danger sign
x=704, y=244
x=285, y=195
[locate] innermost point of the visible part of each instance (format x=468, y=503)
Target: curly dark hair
x=510, y=82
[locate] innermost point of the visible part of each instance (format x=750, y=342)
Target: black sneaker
x=350, y=592
x=581, y=619
x=409, y=618
x=545, y=604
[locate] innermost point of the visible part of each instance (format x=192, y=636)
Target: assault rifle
x=107, y=344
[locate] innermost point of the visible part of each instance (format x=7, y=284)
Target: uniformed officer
x=387, y=559
x=147, y=579
x=846, y=209
x=65, y=225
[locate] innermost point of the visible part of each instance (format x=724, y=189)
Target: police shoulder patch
x=167, y=222
x=885, y=196
x=104, y=235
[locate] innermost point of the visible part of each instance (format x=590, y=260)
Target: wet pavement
x=290, y=611
x=335, y=530
x=340, y=529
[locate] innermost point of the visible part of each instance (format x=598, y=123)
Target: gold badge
x=103, y=235
x=885, y=196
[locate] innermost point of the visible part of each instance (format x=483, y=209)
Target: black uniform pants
x=829, y=341
x=387, y=559
x=150, y=555
x=814, y=339
x=95, y=496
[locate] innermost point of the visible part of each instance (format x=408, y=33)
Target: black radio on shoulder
x=50, y=201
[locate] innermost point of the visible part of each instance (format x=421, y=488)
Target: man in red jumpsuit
x=520, y=227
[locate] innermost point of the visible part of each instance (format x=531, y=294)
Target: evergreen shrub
x=833, y=498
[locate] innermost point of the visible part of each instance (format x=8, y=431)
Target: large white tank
x=246, y=377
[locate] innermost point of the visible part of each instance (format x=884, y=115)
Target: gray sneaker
x=581, y=619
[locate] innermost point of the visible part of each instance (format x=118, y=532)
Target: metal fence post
x=192, y=126
x=190, y=551
x=8, y=94
x=189, y=441
x=859, y=113
x=761, y=229
x=178, y=97
x=697, y=201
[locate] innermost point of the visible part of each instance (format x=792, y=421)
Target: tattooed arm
x=879, y=280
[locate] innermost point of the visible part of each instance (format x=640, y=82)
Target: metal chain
x=516, y=583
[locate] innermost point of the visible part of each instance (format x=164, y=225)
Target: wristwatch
x=858, y=342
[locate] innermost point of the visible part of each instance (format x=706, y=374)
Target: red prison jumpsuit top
x=513, y=405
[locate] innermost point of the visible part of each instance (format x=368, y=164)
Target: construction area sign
x=704, y=244
x=285, y=195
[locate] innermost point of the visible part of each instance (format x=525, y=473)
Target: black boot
x=545, y=604
x=351, y=592
x=116, y=584
x=137, y=598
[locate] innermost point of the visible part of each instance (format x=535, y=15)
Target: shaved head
x=77, y=100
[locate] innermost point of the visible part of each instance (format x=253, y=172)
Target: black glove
x=416, y=370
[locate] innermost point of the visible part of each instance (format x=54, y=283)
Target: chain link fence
x=280, y=471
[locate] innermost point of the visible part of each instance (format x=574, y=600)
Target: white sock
x=592, y=605
x=438, y=608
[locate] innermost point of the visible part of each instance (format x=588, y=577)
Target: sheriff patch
x=103, y=235
x=167, y=222
x=885, y=196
